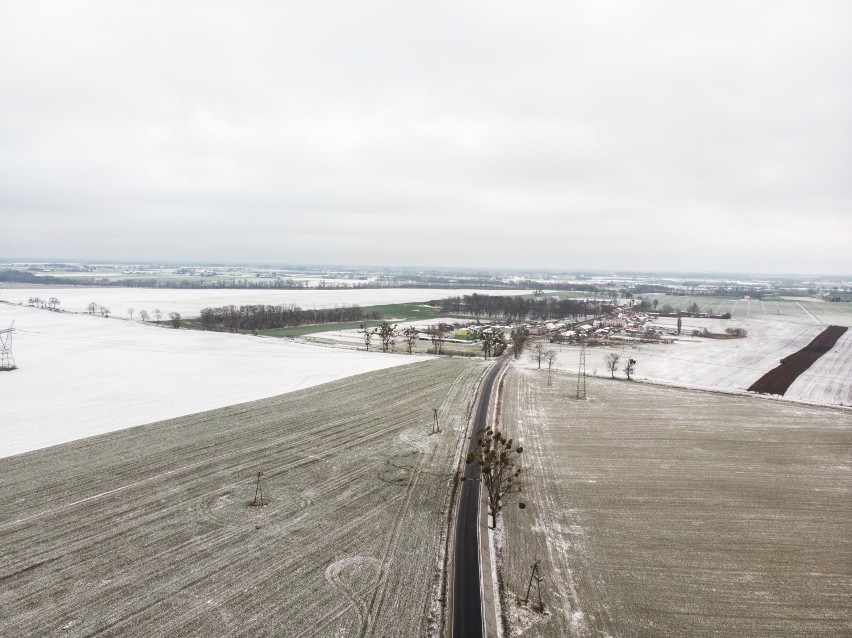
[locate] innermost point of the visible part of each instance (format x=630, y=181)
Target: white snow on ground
x=829, y=379
x=722, y=364
x=79, y=375
x=190, y=302
x=728, y=364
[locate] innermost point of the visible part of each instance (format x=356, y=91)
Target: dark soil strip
x=777, y=381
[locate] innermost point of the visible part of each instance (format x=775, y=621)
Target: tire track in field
x=333, y=576
x=248, y=567
x=460, y=385
x=547, y=507
x=809, y=313
x=378, y=599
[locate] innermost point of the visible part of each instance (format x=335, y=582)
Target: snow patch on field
x=79, y=375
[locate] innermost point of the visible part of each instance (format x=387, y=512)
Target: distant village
x=616, y=325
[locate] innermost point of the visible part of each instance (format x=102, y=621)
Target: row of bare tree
x=262, y=317
x=38, y=302
x=516, y=309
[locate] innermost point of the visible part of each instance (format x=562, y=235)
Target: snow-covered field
x=729, y=364
x=79, y=375
x=189, y=302
x=794, y=309
x=829, y=378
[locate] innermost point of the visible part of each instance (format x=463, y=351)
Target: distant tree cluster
x=276, y=284
x=493, y=342
x=38, y=302
x=518, y=308
x=438, y=336
x=23, y=277
x=263, y=317
x=20, y=276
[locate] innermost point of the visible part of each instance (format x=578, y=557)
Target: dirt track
x=777, y=380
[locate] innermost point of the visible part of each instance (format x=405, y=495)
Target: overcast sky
x=700, y=136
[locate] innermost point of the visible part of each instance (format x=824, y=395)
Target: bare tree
x=92, y=308
x=438, y=335
x=130, y=311
x=104, y=311
x=386, y=334
x=206, y=318
x=679, y=323
x=611, y=361
x=519, y=337
x=143, y=314
x=175, y=317
x=499, y=467
x=158, y=314
x=410, y=335
x=630, y=367
x=53, y=303
x=550, y=355
x=537, y=352
x=367, y=333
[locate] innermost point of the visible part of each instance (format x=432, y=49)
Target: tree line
x=264, y=317
x=518, y=308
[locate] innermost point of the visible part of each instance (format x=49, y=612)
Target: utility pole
x=581, y=372
x=258, y=490
x=535, y=575
x=435, y=427
x=7, y=361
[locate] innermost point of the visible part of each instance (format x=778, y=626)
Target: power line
x=7, y=361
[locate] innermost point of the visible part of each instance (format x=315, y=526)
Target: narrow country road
x=467, y=597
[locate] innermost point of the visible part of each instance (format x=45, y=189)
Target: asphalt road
x=467, y=597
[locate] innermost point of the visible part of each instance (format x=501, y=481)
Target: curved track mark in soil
x=780, y=378
x=334, y=574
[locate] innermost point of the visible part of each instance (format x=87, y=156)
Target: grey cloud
x=644, y=135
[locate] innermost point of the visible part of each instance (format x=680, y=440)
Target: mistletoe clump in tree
x=492, y=342
x=499, y=466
